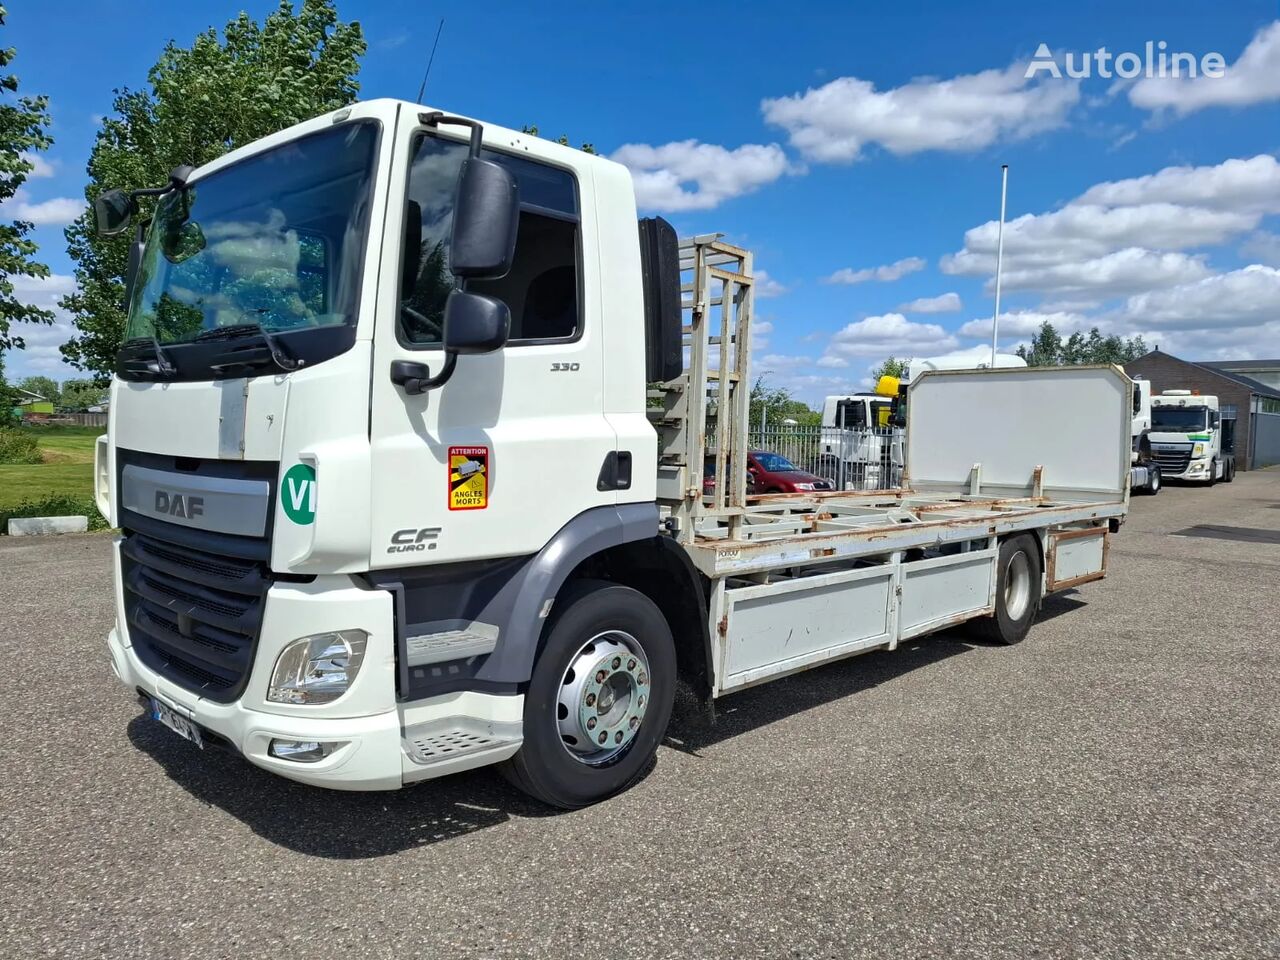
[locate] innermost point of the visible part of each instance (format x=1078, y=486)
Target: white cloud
x=885, y=274
x=835, y=122
x=1024, y=323
x=41, y=354
x=943, y=303
x=1253, y=78
x=1241, y=298
x=890, y=333
x=1116, y=274
x=766, y=286
x=40, y=167
x=57, y=212
x=1080, y=232
x=688, y=175
x=1127, y=236
x=1244, y=185
x=1263, y=247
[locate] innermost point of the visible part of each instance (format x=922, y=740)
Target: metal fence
x=857, y=459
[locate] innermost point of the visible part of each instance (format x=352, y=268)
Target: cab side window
x=542, y=288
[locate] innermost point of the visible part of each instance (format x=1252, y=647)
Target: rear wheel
x=1017, y=592
x=599, y=699
x=1229, y=470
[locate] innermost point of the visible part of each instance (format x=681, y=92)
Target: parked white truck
x=394, y=500
x=860, y=448
x=1144, y=475
x=1186, y=438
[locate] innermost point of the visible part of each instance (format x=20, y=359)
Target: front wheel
x=600, y=697
x=1017, y=592
x=1153, y=481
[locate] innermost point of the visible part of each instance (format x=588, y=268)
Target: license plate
x=176, y=722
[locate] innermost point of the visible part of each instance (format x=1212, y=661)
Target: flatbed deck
x=782, y=530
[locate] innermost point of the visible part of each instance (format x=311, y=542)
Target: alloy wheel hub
x=603, y=698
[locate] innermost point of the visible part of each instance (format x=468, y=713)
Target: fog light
x=304, y=751
x=319, y=668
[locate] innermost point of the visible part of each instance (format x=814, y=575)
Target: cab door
x=495, y=461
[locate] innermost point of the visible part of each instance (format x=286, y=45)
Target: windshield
x=774, y=462
x=275, y=240
x=1179, y=419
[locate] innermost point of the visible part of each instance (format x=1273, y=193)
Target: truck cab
x=1186, y=438
x=860, y=447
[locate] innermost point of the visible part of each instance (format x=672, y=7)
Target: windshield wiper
x=161, y=368
x=275, y=351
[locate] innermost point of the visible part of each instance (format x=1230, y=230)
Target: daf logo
x=176, y=505
x=414, y=539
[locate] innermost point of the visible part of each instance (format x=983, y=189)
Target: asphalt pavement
x=1108, y=788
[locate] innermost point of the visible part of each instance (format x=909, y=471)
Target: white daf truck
x=1186, y=438
x=396, y=499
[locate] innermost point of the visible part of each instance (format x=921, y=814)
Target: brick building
x=1250, y=409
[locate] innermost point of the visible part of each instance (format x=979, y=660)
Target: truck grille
x=193, y=616
x=1172, y=461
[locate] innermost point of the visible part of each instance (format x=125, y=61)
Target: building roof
x=1257, y=386
x=1241, y=364
x=30, y=397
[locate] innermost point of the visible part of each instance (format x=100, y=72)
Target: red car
x=774, y=473
x=769, y=473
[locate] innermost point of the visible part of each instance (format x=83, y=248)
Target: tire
x=1229, y=470
x=1153, y=481
x=611, y=630
x=1018, y=574
x=1213, y=473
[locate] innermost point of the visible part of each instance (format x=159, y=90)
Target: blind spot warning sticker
x=469, y=469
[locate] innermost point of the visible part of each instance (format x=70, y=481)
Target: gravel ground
x=1108, y=788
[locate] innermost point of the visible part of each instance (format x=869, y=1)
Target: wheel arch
x=658, y=568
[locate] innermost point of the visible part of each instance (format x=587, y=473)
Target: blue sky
x=855, y=148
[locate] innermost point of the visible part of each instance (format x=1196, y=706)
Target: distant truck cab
x=1186, y=438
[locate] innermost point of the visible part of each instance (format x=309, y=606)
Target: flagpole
x=995, y=319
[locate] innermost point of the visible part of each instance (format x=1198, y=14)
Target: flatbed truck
x=405, y=449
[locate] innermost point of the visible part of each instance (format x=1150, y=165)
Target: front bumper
x=385, y=744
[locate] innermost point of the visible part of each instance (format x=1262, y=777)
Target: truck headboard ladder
x=703, y=412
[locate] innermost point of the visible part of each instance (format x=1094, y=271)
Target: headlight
x=1198, y=451
x=319, y=668
x=803, y=486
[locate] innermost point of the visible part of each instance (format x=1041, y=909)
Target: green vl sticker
x=300, y=493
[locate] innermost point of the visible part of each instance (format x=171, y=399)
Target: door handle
x=410, y=375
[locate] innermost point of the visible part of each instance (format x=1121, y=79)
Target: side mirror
x=486, y=214
x=475, y=323
x=111, y=212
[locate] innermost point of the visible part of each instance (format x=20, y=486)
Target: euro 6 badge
x=469, y=472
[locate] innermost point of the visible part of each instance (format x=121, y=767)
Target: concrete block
x=38, y=526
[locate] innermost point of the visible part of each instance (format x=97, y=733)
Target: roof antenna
x=430, y=60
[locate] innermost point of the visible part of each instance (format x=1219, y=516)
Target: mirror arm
x=416, y=379
x=446, y=371
x=436, y=117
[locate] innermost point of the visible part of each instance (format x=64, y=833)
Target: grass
x=67, y=470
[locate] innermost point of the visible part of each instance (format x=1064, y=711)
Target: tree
x=1047, y=348
x=23, y=125
x=8, y=400
x=81, y=394
x=776, y=404
x=47, y=387
x=202, y=101
x=563, y=139
x=892, y=367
